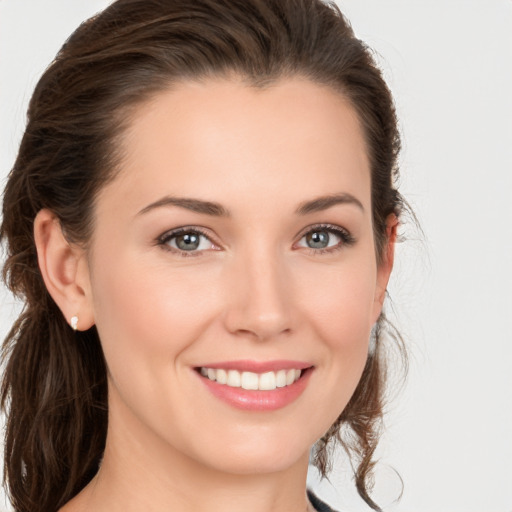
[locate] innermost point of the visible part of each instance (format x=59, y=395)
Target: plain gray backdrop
x=449, y=64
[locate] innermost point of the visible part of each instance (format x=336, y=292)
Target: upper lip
x=247, y=365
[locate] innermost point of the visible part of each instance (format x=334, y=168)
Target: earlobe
x=64, y=270
x=386, y=264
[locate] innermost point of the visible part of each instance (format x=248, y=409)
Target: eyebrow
x=195, y=205
x=217, y=210
x=324, y=202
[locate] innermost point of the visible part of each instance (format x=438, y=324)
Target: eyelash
x=163, y=240
x=346, y=239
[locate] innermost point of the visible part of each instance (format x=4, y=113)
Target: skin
x=253, y=290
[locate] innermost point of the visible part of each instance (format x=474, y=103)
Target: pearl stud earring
x=74, y=322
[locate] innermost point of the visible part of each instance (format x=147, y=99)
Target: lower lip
x=256, y=400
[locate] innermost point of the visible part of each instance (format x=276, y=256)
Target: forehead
x=284, y=141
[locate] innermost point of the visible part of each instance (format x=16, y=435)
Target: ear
x=386, y=265
x=64, y=269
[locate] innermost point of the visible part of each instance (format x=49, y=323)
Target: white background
x=449, y=64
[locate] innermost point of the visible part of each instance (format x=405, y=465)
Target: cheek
x=148, y=313
x=340, y=302
x=147, y=317
x=341, y=314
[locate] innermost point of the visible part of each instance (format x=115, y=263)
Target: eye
x=186, y=240
x=321, y=239
x=326, y=238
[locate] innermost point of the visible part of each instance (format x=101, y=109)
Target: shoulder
x=318, y=504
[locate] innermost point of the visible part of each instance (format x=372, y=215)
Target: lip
x=257, y=400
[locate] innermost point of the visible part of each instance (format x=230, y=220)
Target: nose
x=259, y=297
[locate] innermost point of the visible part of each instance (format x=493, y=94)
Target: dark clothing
x=318, y=504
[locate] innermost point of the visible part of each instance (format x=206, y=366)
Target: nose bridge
x=260, y=301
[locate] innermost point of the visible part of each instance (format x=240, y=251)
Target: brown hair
x=54, y=388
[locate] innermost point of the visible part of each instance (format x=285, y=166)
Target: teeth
x=250, y=380
x=234, y=379
x=267, y=381
x=281, y=378
x=222, y=376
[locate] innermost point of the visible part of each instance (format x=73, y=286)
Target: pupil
x=188, y=241
x=318, y=239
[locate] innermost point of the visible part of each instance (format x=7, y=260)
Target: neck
x=138, y=473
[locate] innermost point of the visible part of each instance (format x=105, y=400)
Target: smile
x=267, y=381
x=256, y=386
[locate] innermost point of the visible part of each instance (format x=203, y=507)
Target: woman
x=201, y=221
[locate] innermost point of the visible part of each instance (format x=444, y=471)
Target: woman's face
x=236, y=244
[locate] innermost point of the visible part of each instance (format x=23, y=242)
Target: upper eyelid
x=163, y=241
x=345, y=236
x=185, y=229
x=322, y=225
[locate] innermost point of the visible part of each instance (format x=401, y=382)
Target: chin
x=261, y=456
x=260, y=465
